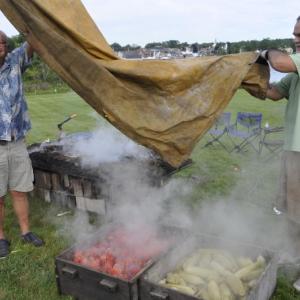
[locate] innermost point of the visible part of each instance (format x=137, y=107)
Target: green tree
x=153, y=45
x=116, y=47
x=171, y=44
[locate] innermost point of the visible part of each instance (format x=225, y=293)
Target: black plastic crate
x=86, y=283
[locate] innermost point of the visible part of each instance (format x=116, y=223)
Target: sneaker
x=33, y=239
x=4, y=248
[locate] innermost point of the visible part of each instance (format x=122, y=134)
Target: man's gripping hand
x=264, y=54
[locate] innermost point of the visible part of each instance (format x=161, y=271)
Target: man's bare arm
x=29, y=50
x=280, y=61
x=274, y=94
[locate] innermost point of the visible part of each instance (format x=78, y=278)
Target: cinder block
x=87, y=189
x=47, y=196
x=76, y=187
x=96, y=205
x=66, y=181
x=56, y=182
x=71, y=201
x=59, y=197
x=92, y=205
x=41, y=194
x=36, y=193
x=80, y=203
x=42, y=179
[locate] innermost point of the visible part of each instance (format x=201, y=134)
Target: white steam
x=245, y=215
x=107, y=145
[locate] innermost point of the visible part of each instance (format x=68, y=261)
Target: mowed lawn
x=28, y=273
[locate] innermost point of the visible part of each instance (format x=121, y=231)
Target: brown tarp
x=164, y=105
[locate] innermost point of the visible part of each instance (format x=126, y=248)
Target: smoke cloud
x=107, y=145
x=246, y=215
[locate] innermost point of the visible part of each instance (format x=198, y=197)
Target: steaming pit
x=206, y=267
x=108, y=265
x=143, y=263
x=66, y=176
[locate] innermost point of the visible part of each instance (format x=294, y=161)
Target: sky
x=144, y=21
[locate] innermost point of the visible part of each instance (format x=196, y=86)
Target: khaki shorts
x=289, y=194
x=15, y=168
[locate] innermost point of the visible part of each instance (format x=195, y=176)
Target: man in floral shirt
x=16, y=173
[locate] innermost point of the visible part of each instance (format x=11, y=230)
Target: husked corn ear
x=252, y=283
x=226, y=293
x=235, y=285
x=213, y=291
x=225, y=262
x=218, y=268
x=203, y=294
x=181, y=288
x=174, y=278
x=259, y=264
x=203, y=273
x=244, y=261
x=241, y=273
x=253, y=275
x=233, y=261
x=192, y=279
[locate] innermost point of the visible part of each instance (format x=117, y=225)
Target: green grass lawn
x=28, y=273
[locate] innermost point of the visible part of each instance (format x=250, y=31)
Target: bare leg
x=1, y=217
x=20, y=203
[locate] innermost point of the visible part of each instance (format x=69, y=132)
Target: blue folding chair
x=219, y=128
x=271, y=143
x=246, y=131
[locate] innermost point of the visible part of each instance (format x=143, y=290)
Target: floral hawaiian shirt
x=14, y=119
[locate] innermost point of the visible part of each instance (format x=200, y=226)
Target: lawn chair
x=219, y=129
x=272, y=141
x=246, y=131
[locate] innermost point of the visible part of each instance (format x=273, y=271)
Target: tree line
x=220, y=48
x=41, y=77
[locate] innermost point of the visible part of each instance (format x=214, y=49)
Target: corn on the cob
x=174, y=278
x=225, y=262
x=226, y=293
x=252, y=275
x=244, y=261
x=252, y=283
x=203, y=294
x=181, y=288
x=235, y=285
x=203, y=273
x=259, y=264
x=218, y=268
x=191, y=279
x=213, y=291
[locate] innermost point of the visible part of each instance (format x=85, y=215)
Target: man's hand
x=274, y=94
x=264, y=54
x=30, y=51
